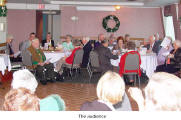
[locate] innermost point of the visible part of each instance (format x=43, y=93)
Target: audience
x=101, y=37
x=105, y=55
x=87, y=47
x=166, y=47
x=68, y=59
x=153, y=46
x=173, y=63
x=44, y=69
x=120, y=45
x=21, y=99
x=110, y=91
x=67, y=45
x=9, y=50
x=131, y=77
x=162, y=93
x=111, y=40
x=48, y=41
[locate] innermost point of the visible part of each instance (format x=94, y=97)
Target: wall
x=20, y=24
x=138, y=22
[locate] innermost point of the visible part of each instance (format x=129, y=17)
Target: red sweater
x=70, y=59
x=122, y=63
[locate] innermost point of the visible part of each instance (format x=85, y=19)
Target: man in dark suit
x=48, y=40
x=101, y=37
x=105, y=56
x=87, y=47
x=154, y=45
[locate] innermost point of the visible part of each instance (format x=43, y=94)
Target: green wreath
x=105, y=21
x=3, y=11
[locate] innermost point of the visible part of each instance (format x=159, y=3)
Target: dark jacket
x=94, y=106
x=176, y=61
x=45, y=41
x=96, y=44
x=156, y=47
x=105, y=57
x=87, y=49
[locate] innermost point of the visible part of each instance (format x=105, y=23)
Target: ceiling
x=147, y=3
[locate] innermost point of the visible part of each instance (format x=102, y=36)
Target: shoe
x=43, y=82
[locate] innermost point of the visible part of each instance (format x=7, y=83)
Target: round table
x=148, y=63
x=54, y=56
x=4, y=63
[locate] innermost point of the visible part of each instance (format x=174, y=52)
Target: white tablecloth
x=54, y=56
x=4, y=62
x=148, y=63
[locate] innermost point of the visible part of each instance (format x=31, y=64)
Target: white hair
x=86, y=38
x=24, y=78
x=178, y=43
x=9, y=36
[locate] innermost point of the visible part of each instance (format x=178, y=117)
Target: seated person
x=126, y=38
x=119, y=46
x=166, y=47
x=153, y=46
x=129, y=78
x=25, y=79
x=87, y=47
x=105, y=56
x=9, y=50
x=21, y=99
x=48, y=41
x=110, y=91
x=68, y=59
x=52, y=103
x=44, y=69
x=27, y=43
x=173, y=63
x=67, y=45
x=162, y=93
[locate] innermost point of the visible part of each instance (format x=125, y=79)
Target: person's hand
x=41, y=64
x=170, y=56
x=137, y=95
x=47, y=63
x=12, y=55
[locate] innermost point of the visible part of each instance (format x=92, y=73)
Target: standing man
x=101, y=37
x=27, y=43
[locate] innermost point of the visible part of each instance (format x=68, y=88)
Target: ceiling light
x=117, y=7
x=97, y=3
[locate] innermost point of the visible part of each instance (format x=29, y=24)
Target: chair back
x=26, y=58
x=94, y=59
x=132, y=62
x=78, y=57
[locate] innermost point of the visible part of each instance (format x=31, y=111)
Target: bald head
x=101, y=37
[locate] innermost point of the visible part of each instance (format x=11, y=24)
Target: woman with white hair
x=110, y=91
x=9, y=50
x=25, y=79
x=162, y=93
x=173, y=62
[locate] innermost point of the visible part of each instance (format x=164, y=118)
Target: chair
x=78, y=56
x=27, y=59
x=132, y=63
x=93, y=64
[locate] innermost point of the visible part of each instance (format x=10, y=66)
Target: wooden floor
x=73, y=94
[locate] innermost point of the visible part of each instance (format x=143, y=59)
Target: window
x=169, y=27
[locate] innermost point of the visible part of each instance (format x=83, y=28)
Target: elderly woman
x=162, y=93
x=120, y=44
x=44, y=69
x=166, y=47
x=9, y=50
x=21, y=99
x=173, y=63
x=110, y=90
x=67, y=45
